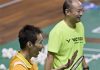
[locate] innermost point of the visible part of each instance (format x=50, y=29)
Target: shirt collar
x=22, y=58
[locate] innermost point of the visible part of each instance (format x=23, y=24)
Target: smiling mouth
x=78, y=18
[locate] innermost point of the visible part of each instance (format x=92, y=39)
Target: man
x=30, y=39
x=66, y=38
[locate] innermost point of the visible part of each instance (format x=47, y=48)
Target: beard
x=33, y=53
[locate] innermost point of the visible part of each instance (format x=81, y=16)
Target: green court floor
x=91, y=20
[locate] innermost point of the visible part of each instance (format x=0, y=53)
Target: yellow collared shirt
x=18, y=62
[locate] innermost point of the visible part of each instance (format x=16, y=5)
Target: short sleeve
x=54, y=41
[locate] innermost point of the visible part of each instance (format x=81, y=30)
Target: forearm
x=49, y=62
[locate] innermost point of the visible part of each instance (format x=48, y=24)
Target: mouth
x=40, y=50
x=36, y=55
x=79, y=18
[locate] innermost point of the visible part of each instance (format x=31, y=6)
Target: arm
x=49, y=61
x=85, y=65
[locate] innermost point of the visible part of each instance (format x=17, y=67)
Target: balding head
x=68, y=4
x=73, y=9
x=76, y=4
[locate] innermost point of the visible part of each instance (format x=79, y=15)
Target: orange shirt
x=18, y=62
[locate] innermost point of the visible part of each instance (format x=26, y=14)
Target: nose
x=42, y=47
x=81, y=13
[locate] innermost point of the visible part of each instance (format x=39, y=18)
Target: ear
x=67, y=11
x=29, y=44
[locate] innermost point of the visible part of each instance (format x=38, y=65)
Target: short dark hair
x=66, y=5
x=28, y=33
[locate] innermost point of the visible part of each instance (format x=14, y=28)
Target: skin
x=85, y=65
x=33, y=50
x=74, y=14
x=49, y=61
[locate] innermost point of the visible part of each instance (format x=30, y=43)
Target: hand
x=73, y=57
x=85, y=65
x=70, y=61
x=86, y=68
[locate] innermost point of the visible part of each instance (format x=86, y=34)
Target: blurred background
x=14, y=14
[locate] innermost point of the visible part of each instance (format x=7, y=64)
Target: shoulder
x=16, y=63
x=19, y=66
x=58, y=27
x=80, y=24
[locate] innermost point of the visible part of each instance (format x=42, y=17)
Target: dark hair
x=28, y=33
x=66, y=5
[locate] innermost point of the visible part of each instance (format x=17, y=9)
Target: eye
x=41, y=42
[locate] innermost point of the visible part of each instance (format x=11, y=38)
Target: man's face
x=34, y=51
x=76, y=11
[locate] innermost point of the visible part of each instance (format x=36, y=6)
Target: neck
x=70, y=23
x=25, y=54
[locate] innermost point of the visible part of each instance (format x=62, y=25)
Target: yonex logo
x=75, y=40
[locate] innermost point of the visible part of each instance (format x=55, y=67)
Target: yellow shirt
x=18, y=62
